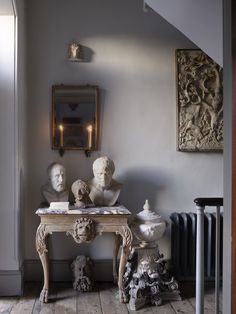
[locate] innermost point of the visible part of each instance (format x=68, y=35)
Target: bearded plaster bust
x=104, y=190
x=55, y=190
x=81, y=193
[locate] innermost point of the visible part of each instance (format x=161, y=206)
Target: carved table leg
x=117, y=245
x=126, y=249
x=41, y=248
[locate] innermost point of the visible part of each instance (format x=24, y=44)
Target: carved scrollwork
x=126, y=236
x=41, y=235
x=83, y=230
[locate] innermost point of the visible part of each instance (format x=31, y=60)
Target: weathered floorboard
x=183, y=306
x=66, y=302
x=6, y=304
x=25, y=304
x=166, y=308
x=103, y=300
x=89, y=302
x=146, y=310
x=110, y=301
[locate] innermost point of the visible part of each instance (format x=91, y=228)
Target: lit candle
x=61, y=128
x=90, y=131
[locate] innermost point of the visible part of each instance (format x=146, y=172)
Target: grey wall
x=12, y=100
x=201, y=21
x=133, y=62
x=7, y=139
x=22, y=126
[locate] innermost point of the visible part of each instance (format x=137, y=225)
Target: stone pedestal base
x=147, y=280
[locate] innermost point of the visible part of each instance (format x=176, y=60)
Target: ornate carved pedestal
x=147, y=279
x=84, y=225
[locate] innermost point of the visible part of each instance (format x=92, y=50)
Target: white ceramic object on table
x=148, y=226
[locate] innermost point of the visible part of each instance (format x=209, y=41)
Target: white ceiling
x=200, y=20
x=6, y=7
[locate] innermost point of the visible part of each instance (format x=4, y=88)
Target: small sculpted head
x=103, y=169
x=57, y=177
x=74, y=49
x=79, y=188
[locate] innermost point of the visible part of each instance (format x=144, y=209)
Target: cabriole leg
x=117, y=244
x=126, y=249
x=41, y=248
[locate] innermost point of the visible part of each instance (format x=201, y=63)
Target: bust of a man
x=55, y=190
x=104, y=190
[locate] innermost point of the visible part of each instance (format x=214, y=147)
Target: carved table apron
x=84, y=225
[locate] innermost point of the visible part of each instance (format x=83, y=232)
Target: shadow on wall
x=141, y=184
x=87, y=54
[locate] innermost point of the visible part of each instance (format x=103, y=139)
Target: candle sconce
x=75, y=118
x=61, y=130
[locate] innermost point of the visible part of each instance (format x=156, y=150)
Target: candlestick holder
x=87, y=152
x=61, y=151
x=75, y=117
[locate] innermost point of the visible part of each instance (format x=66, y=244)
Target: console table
x=84, y=225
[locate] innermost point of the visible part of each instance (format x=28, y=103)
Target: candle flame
x=90, y=128
x=90, y=131
x=61, y=127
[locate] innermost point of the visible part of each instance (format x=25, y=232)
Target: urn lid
x=148, y=215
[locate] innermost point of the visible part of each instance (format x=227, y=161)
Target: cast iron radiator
x=183, y=245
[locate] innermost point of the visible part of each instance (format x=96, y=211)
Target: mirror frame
x=74, y=87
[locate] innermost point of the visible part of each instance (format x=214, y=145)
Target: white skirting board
x=60, y=270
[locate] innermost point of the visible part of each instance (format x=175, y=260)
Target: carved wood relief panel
x=199, y=102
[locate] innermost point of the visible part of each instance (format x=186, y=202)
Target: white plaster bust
x=104, y=190
x=55, y=190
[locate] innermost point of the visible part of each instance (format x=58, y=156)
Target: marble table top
x=104, y=210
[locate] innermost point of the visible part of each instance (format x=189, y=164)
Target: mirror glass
x=74, y=117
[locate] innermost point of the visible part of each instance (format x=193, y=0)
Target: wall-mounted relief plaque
x=199, y=102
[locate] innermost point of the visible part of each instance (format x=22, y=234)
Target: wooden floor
x=104, y=300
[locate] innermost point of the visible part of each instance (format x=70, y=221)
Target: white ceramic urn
x=148, y=226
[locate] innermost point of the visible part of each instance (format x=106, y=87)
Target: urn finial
x=146, y=206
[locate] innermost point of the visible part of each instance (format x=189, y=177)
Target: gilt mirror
x=75, y=117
